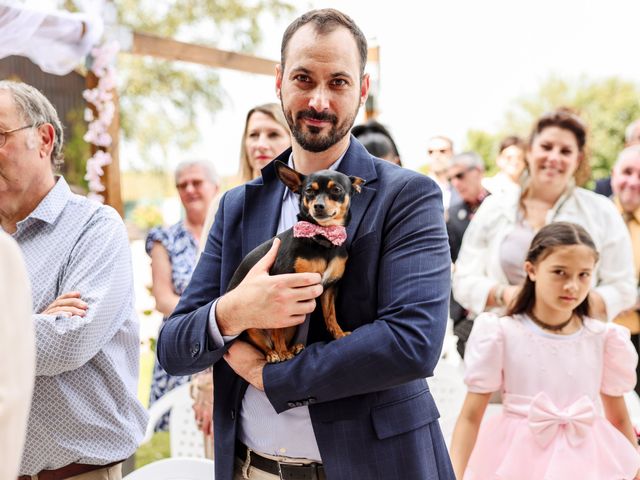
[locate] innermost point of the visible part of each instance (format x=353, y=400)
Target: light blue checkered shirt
x=84, y=405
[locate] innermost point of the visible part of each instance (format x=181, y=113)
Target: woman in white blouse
x=489, y=269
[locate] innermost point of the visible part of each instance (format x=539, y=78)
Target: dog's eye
x=309, y=192
x=336, y=191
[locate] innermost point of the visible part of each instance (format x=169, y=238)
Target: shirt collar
x=635, y=215
x=51, y=206
x=333, y=166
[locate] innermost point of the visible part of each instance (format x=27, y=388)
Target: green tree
x=160, y=99
x=485, y=144
x=76, y=150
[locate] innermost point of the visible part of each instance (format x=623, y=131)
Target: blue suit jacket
x=371, y=409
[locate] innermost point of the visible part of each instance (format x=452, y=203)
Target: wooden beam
x=145, y=44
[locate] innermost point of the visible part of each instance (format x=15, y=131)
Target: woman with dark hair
x=489, y=270
x=554, y=366
x=377, y=140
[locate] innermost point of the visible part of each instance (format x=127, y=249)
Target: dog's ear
x=287, y=175
x=356, y=183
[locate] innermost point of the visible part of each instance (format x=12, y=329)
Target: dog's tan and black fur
x=325, y=198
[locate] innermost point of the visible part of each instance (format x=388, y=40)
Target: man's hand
x=247, y=361
x=268, y=301
x=67, y=304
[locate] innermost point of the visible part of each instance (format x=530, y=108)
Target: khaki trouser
x=252, y=473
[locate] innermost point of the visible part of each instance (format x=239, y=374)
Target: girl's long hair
x=557, y=234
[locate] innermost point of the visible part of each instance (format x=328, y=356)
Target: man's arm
x=404, y=342
x=259, y=301
x=99, y=267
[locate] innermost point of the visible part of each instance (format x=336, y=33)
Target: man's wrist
x=226, y=325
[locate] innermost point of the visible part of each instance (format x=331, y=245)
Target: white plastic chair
x=185, y=440
x=448, y=390
x=175, y=469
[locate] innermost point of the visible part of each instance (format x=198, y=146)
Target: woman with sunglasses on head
x=173, y=251
x=489, y=271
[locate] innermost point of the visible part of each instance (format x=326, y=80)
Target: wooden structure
x=169, y=49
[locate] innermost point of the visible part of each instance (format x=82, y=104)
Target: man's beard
x=311, y=140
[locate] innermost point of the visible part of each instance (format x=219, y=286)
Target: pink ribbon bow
x=336, y=234
x=545, y=419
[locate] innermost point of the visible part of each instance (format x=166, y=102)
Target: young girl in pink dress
x=562, y=376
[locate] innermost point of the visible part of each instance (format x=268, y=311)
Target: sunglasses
x=460, y=175
x=442, y=151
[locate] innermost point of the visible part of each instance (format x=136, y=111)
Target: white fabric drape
x=53, y=41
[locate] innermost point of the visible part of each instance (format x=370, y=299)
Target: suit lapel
x=263, y=200
x=358, y=162
x=262, y=206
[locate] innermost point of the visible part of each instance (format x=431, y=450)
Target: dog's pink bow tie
x=545, y=419
x=336, y=234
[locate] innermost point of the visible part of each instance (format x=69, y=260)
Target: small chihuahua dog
x=314, y=244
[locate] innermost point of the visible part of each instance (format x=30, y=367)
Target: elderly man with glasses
x=465, y=172
x=85, y=418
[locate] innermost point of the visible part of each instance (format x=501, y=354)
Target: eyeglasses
x=3, y=135
x=460, y=175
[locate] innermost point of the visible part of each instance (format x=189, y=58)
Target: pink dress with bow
x=552, y=425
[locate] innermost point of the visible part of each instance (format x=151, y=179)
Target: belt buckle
x=297, y=471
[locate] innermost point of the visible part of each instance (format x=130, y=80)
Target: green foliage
x=146, y=217
x=607, y=106
x=486, y=145
x=76, y=150
x=160, y=99
x=156, y=449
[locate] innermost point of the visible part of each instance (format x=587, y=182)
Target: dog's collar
x=336, y=234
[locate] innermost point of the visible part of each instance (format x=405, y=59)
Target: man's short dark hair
x=325, y=21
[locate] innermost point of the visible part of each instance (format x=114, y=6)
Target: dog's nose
x=318, y=207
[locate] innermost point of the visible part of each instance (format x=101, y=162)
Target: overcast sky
x=448, y=66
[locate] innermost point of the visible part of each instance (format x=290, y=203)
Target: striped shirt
x=84, y=406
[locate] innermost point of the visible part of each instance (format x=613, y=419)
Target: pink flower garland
x=102, y=66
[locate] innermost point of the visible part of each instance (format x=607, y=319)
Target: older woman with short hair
x=173, y=251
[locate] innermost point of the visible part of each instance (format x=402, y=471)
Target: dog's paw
x=339, y=333
x=297, y=348
x=273, y=357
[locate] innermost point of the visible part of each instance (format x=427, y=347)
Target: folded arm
x=99, y=268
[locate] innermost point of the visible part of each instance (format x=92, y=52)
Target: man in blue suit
x=354, y=408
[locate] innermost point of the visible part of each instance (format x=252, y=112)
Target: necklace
x=546, y=326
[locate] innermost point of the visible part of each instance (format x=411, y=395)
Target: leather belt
x=67, y=471
x=284, y=470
